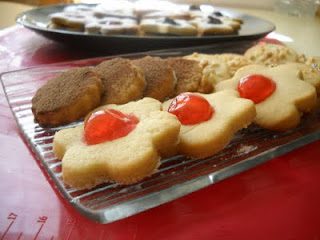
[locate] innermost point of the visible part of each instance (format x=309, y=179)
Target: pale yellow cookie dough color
x=232, y=113
x=282, y=110
x=125, y=160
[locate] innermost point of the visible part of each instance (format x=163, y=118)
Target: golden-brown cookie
x=286, y=95
x=125, y=160
x=67, y=97
x=159, y=76
x=231, y=113
x=123, y=81
x=188, y=73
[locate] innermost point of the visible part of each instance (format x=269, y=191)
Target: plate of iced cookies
x=120, y=135
x=148, y=24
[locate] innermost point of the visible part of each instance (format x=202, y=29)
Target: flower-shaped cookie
x=230, y=113
x=125, y=160
x=281, y=109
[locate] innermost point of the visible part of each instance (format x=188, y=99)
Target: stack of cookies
x=145, y=17
x=160, y=104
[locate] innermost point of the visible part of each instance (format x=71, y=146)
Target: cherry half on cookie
x=191, y=108
x=108, y=124
x=256, y=87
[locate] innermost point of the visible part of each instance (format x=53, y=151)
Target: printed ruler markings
x=19, y=236
x=71, y=222
x=12, y=216
x=41, y=220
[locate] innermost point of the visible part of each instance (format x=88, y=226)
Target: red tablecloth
x=276, y=200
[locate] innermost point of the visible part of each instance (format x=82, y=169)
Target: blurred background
x=10, y=9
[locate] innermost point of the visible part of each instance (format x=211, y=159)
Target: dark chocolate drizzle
x=194, y=7
x=214, y=20
x=170, y=21
x=217, y=14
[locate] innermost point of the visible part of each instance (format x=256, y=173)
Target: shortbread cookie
x=78, y=8
x=69, y=20
x=167, y=26
x=280, y=94
x=188, y=73
x=125, y=160
x=143, y=7
x=115, y=8
x=112, y=25
x=271, y=54
x=230, y=114
x=159, y=76
x=61, y=27
x=67, y=97
x=173, y=14
x=309, y=74
x=212, y=25
x=123, y=81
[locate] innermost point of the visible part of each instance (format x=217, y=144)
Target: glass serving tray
x=177, y=176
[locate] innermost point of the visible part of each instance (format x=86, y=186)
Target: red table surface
x=276, y=200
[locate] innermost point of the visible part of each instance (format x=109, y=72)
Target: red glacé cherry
x=106, y=125
x=191, y=108
x=256, y=87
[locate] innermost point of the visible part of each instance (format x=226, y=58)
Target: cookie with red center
x=209, y=121
x=280, y=94
x=117, y=143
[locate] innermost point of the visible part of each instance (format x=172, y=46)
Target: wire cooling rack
x=176, y=177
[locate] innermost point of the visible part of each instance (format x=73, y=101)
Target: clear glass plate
x=177, y=176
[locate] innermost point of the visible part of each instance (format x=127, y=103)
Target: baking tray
x=177, y=176
x=38, y=19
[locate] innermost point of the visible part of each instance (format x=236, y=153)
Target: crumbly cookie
x=231, y=113
x=212, y=70
x=282, y=107
x=314, y=62
x=218, y=67
x=159, y=76
x=271, y=54
x=234, y=62
x=123, y=81
x=125, y=160
x=167, y=26
x=67, y=97
x=188, y=73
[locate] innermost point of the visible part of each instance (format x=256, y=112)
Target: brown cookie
x=159, y=76
x=123, y=81
x=188, y=73
x=67, y=97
